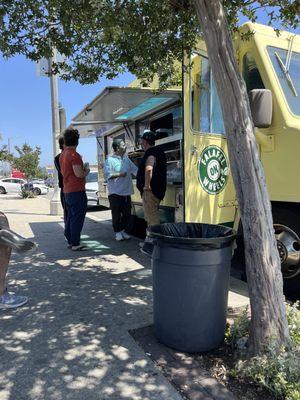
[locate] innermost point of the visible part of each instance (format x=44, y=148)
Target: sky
x=25, y=105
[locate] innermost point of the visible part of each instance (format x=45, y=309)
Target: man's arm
x=79, y=171
x=150, y=162
x=109, y=173
x=117, y=175
x=133, y=168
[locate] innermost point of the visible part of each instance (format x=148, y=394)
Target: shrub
x=277, y=372
x=27, y=194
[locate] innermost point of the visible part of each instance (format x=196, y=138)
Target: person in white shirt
x=118, y=171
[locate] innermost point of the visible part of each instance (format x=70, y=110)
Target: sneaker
x=125, y=235
x=12, y=301
x=80, y=247
x=119, y=236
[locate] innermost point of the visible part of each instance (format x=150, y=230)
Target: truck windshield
x=288, y=77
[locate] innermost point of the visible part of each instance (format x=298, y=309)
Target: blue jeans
x=76, y=203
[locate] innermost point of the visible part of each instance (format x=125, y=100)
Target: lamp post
x=55, y=205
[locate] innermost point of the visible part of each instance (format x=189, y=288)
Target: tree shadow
x=71, y=340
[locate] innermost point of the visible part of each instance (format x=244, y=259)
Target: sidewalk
x=71, y=341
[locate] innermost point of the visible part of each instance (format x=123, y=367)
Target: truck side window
x=251, y=73
x=206, y=113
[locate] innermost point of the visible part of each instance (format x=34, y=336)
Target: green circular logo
x=213, y=169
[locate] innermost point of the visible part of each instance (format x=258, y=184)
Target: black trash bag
x=191, y=234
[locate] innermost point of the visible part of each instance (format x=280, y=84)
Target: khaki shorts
x=150, y=205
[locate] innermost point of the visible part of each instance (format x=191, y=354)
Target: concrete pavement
x=71, y=341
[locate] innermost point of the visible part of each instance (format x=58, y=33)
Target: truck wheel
x=287, y=231
x=2, y=190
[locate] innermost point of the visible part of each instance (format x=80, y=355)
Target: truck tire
x=286, y=220
x=287, y=232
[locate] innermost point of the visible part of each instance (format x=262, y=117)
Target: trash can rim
x=187, y=240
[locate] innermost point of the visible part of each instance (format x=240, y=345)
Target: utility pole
x=55, y=205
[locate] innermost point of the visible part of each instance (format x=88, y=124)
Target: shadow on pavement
x=71, y=340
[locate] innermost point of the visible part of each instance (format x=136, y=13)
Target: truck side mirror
x=261, y=107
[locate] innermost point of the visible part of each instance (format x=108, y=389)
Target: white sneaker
x=119, y=237
x=8, y=300
x=125, y=235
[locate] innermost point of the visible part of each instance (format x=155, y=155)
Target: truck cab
x=270, y=66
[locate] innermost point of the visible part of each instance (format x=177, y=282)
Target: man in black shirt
x=60, y=177
x=152, y=177
x=151, y=181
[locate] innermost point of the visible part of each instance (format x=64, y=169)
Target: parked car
x=37, y=187
x=11, y=185
x=49, y=182
x=14, y=185
x=91, y=188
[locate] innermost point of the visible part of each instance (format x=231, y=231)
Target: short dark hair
x=117, y=143
x=149, y=136
x=61, y=142
x=71, y=137
x=150, y=141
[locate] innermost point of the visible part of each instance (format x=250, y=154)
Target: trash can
x=191, y=270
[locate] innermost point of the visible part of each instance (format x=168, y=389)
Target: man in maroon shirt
x=60, y=177
x=74, y=172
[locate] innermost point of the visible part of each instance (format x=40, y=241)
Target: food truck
x=189, y=126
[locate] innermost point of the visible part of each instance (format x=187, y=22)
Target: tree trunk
x=268, y=316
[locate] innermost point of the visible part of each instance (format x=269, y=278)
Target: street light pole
x=55, y=205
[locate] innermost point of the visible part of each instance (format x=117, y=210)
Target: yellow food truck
x=189, y=126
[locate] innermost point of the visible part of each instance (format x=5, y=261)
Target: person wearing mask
x=74, y=172
x=118, y=171
x=151, y=180
x=60, y=177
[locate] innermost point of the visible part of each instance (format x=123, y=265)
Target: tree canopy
x=103, y=38
x=27, y=160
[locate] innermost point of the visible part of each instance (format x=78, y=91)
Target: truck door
x=209, y=194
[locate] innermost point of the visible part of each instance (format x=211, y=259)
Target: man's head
x=119, y=146
x=147, y=139
x=71, y=137
x=61, y=143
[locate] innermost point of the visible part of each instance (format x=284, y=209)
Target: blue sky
x=25, y=106
x=25, y=109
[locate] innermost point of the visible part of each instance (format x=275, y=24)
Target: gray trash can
x=191, y=270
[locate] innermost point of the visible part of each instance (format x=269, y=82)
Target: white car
x=36, y=187
x=91, y=188
x=14, y=185
x=10, y=185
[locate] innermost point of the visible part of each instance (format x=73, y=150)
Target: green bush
x=279, y=373
x=27, y=194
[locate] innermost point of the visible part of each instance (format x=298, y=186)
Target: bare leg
x=5, y=252
x=10, y=240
